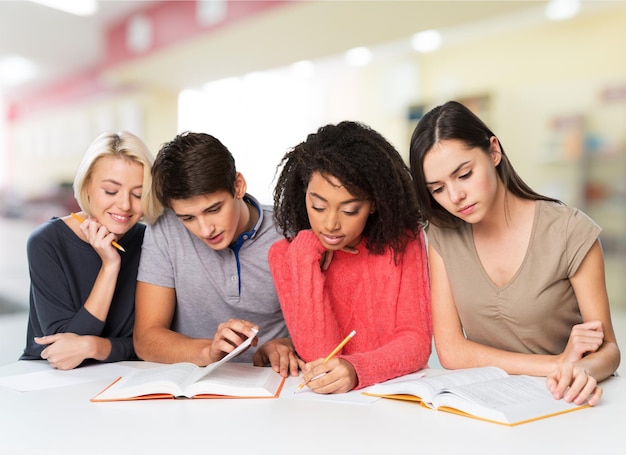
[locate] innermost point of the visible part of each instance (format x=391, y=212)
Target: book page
x=163, y=379
x=426, y=387
x=207, y=370
x=510, y=400
x=237, y=380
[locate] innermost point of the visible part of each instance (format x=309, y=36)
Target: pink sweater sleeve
x=300, y=285
x=387, y=304
x=407, y=344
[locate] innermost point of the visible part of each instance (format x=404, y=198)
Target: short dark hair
x=368, y=166
x=192, y=164
x=453, y=120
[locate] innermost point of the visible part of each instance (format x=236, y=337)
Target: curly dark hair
x=368, y=166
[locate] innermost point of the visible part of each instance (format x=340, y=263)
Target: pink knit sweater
x=387, y=304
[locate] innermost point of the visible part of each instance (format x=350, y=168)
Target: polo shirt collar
x=249, y=234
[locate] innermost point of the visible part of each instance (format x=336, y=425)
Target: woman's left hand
x=65, y=350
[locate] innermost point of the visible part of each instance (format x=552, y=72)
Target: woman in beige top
x=517, y=278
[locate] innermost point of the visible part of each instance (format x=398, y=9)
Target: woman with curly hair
x=353, y=258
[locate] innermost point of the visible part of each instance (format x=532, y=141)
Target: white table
x=62, y=420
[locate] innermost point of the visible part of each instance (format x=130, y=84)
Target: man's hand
x=280, y=355
x=229, y=335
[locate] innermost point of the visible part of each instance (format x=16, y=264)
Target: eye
x=137, y=196
x=110, y=193
x=437, y=190
x=317, y=209
x=351, y=212
x=186, y=219
x=466, y=175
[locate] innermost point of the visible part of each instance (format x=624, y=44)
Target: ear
x=495, y=150
x=240, y=185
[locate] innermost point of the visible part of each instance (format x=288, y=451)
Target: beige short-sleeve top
x=535, y=311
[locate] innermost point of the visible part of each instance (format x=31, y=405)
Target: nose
x=123, y=201
x=331, y=222
x=206, y=227
x=456, y=194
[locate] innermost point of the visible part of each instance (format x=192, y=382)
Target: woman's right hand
x=574, y=384
x=327, y=256
x=101, y=240
x=584, y=338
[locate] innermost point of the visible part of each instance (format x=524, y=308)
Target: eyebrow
x=210, y=207
x=349, y=201
x=457, y=169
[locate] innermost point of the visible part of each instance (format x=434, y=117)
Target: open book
x=487, y=393
x=187, y=380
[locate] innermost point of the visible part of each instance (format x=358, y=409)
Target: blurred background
x=548, y=77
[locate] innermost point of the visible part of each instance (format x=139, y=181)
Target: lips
x=120, y=218
x=215, y=239
x=466, y=210
x=332, y=239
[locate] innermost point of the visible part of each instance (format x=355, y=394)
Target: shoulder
x=441, y=236
x=278, y=249
x=267, y=228
x=306, y=242
x=562, y=218
x=50, y=232
x=53, y=239
x=167, y=223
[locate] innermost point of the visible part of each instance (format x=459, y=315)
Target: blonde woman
x=83, y=268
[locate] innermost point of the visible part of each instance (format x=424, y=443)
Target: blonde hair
x=123, y=145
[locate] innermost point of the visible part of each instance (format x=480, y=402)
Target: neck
x=508, y=215
x=249, y=217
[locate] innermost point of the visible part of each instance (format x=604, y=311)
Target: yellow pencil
x=334, y=351
x=114, y=243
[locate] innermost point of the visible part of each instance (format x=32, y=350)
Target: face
x=114, y=192
x=336, y=216
x=463, y=180
x=216, y=218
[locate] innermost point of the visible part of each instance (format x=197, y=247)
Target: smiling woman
x=82, y=288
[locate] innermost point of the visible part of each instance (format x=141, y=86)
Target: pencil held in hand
x=114, y=243
x=333, y=353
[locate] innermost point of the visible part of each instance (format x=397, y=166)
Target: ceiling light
x=15, y=70
x=427, y=41
x=558, y=10
x=359, y=56
x=78, y=7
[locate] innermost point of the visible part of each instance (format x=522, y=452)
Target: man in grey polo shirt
x=204, y=283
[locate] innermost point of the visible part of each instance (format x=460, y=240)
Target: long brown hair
x=453, y=120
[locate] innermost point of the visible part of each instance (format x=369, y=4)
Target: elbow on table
x=140, y=346
x=450, y=358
